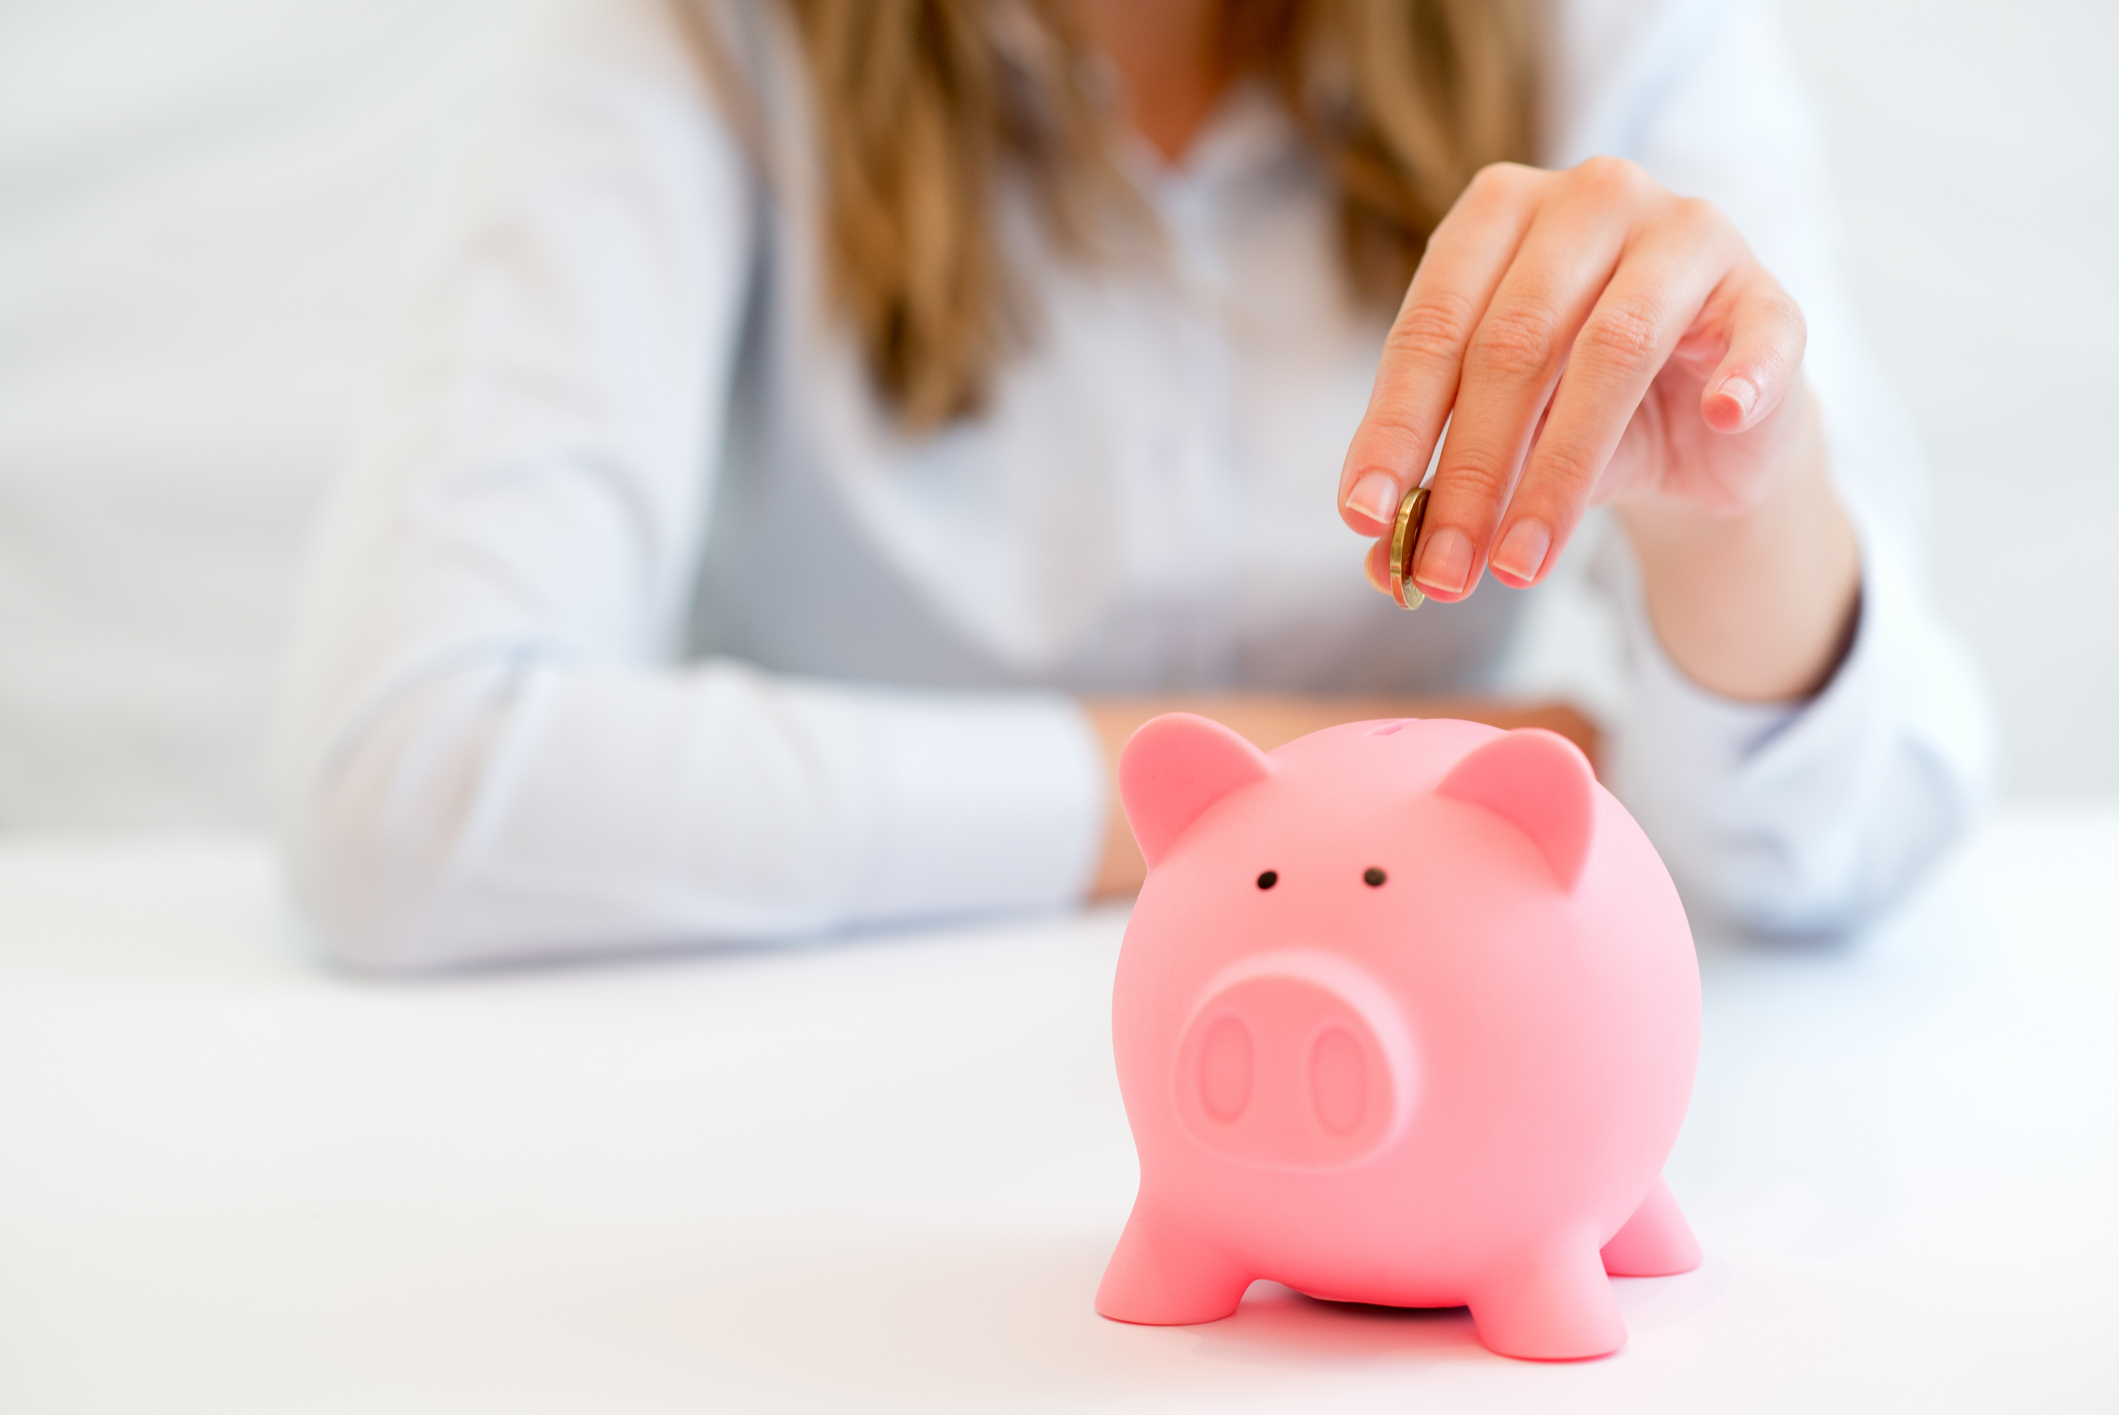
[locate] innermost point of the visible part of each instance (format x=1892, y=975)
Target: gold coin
x=1405, y=539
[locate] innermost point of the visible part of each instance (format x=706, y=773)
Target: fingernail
x=1521, y=554
x=1374, y=496
x=1740, y=391
x=1368, y=572
x=1445, y=561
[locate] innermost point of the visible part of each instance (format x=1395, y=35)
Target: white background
x=208, y=214
x=1975, y=148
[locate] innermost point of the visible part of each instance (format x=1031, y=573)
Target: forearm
x=511, y=810
x=1754, y=605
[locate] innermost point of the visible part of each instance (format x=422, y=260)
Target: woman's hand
x=1590, y=337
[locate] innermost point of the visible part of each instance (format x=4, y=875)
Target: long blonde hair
x=924, y=105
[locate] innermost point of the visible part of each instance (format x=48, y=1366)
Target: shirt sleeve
x=1809, y=818
x=1805, y=817
x=488, y=749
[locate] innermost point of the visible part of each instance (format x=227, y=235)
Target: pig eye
x=1372, y=877
x=1268, y=879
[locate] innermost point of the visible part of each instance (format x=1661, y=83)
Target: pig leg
x=1166, y=1275
x=1655, y=1242
x=1554, y=1304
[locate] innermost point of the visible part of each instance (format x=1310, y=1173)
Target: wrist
x=1754, y=603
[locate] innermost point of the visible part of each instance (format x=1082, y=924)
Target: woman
x=839, y=425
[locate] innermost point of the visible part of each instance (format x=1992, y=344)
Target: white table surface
x=885, y=1174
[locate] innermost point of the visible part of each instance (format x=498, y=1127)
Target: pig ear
x=1539, y=782
x=1176, y=766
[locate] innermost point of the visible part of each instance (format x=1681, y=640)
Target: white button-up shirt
x=641, y=622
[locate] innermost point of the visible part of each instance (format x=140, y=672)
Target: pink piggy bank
x=1407, y=1013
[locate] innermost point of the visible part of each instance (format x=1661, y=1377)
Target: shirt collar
x=1249, y=129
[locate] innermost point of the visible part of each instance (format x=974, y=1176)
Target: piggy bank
x=1407, y=1013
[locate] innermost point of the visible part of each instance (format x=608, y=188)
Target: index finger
x=1423, y=356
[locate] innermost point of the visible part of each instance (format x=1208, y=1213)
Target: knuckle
x=1781, y=307
x=1500, y=182
x=1560, y=480
x=1468, y=491
x=1610, y=177
x=1482, y=468
x=1628, y=333
x=1435, y=326
x=1514, y=342
x=1386, y=437
x=1780, y=330
x=1698, y=218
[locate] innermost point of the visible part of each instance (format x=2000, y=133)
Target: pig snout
x=1297, y=1059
